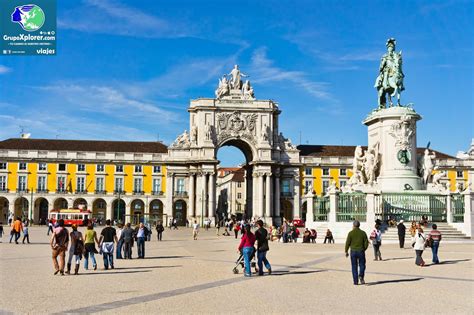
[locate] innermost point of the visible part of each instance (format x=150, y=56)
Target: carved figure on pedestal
x=182, y=140
x=437, y=178
x=390, y=78
x=235, y=81
x=265, y=133
x=209, y=133
x=223, y=88
x=357, y=166
x=247, y=91
x=427, y=166
x=371, y=161
x=402, y=131
x=194, y=134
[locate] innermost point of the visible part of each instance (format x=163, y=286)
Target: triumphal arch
x=234, y=117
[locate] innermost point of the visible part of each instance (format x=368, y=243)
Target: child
x=26, y=235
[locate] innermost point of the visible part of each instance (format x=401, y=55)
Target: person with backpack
x=106, y=243
x=376, y=239
x=76, y=249
x=59, y=243
x=419, y=245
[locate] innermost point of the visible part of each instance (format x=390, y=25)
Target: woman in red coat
x=247, y=247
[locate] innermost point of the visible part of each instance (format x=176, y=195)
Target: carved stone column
x=268, y=196
x=199, y=196
x=255, y=176
x=261, y=200
x=206, y=194
x=212, y=193
x=110, y=211
x=297, y=200
x=169, y=195
x=192, y=208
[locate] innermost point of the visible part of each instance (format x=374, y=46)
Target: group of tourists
x=112, y=242
x=358, y=242
x=246, y=247
x=18, y=226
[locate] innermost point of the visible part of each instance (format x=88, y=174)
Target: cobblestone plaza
x=180, y=275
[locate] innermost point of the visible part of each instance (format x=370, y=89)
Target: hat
x=401, y=221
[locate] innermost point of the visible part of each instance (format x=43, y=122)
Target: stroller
x=240, y=262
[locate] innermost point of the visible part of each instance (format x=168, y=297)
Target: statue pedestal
x=394, y=129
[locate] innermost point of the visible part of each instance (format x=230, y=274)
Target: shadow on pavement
x=450, y=262
x=147, y=267
x=167, y=257
x=399, y=258
x=111, y=272
x=393, y=281
x=288, y=272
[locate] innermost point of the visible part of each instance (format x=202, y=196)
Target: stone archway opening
x=41, y=210
x=21, y=207
x=4, y=204
x=80, y=203
x=118, y=212
x=137, y=207
x=234, y=180
x=60, y=203
x=99, y=209
x=156, y=212
x=286, y=210
x=180, y=212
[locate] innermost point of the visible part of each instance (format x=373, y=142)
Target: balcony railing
x=81, y=191
x=138, y=192
x=100, y=192
x=286, y=194
x=157, y=193
x=22, y=191
x=3, y=190
x=180, y=193
x=42, y=191
x=61, y=191
x=119, y=191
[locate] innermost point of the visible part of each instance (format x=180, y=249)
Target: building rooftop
x=348, y=151
x=83, y=145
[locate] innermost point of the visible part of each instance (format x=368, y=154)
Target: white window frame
x=83, y=190
x=326, y=168
x=19, y=166
x=38, y=187
x=80, y=164
x=180, y=185
x=156, y=179
x=103, y=183
x=42, y=164
x=19, y=182
x=154, y=169
x=138, y=168
x=5, y=183
x=139, y=181
x=325, y=186
x=97, y=168
x=6, y=166
x=65, y=167
x=310, y=171
x=64, y=187
x=122, y=183
x=345, y=171
x=117, y=166
x=307, y=184
x=457, y=174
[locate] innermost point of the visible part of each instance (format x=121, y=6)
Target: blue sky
x=126, y=70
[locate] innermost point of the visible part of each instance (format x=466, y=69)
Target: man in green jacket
x=358, y=243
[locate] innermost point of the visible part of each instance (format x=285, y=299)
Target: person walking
x=59, y=242
x=118, y=252
x=435, y=237
x=413, y=231
x=236, y=229
x=218, y=226
x=159, y=230
x=357, y=241
x=50, y=226
x=285, y=231
x=90, y=239
x=247, y=248
x=1, y=231
x=401, y=233
x=376, y=238
x=106, y=243
x=17, y=228
x=261, y=235
x=26, y=235
x=419, y=245
x=75, y=250
x=195, y=230
x=127, y=239
x=141, y=236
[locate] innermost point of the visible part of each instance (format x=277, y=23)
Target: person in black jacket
x=401, y=233
x=159, y=230
x=262, y=248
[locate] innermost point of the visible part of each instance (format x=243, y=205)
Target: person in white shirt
x=419, y=245
x=195, y=230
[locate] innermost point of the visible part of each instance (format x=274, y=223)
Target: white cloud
x=4, y=69
x=265, y=72
x=112, y=17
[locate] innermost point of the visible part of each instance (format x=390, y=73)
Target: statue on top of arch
x=233, y=85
